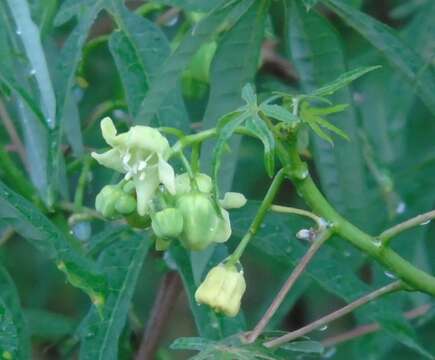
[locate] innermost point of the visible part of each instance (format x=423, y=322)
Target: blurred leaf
x=210, y=325
x=194, y=5
x=47, y=325
x=393, y=48
x=72, y=128
x=32, y=225
x=318, y=56
x=234, y=65
x=139, y=49
x=122, y=262
x=14, y=337
x=28, y=33
x=305, y=346
x=170, y=71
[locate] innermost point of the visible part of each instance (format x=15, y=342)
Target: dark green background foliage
x=66, y=64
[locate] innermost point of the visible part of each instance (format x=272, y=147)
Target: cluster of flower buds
x=177, y=207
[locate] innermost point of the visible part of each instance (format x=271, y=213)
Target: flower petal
x=145, y=190
x=108, y=130
x=110, y=159
x=166, y=175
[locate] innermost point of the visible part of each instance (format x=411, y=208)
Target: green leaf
x=318, y=57
x=224, y=135
x=210, y=325
x=261, y=130
x=234, y=65
x=47, y=325
x=342, y=81
x=304, y=346
x=319, y=132
x=248, y=94
x=139, y=49
x=326, y=124
x=32, y=225
x=170, y=71
x=122, y=262
x=393, y=48
x=14, y=336
x=28, y=32
x=191, y=343
x=194, y=5
x=279, y=113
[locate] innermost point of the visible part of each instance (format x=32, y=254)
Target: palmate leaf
x=139, y=49
x=410, y=64
x=122, y=261
x=14, y=335
x=279, y=113
x=39, y=231
x=331, y=269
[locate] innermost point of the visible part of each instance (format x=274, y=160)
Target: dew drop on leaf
x=323, y=328
x=389, y=275
x=425, y=222
x=400, y=208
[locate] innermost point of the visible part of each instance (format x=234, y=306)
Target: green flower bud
x=183, y=186
x=112, y=202
x=200, y=220
x=168, y=223
x=222, y=290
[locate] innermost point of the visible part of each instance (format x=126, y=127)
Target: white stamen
x=142, y=165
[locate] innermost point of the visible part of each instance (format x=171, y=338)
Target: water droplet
x=389, y=275
x=329, y=353
x=358, y=97
x=214, y=325
x=346, y=254
x=32, y=72
x=426, y=222
x=18, y=32
x=303, y=234
x=82, y=230
x=400, y=208
x=263, y=226
x=323, y=328
x=377, y=242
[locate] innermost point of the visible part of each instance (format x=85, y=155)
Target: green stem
x=291, y=210
x=412, y=276
x=421, y=219
x=81, y=185
x=259, y=217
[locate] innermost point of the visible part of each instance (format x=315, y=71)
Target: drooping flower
x=222, y=289
x=141, y=154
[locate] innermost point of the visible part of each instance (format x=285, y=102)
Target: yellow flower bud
x=222, y=289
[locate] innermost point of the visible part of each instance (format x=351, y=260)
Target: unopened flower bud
x=111, y=202
x=183, y=185
x=233, y=200
x=201, y=223
x=222, y=290
x=168, y=223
